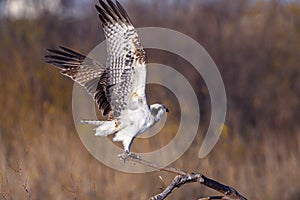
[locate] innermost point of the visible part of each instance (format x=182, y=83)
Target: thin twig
x=19, y=172
x=73, y=189
x=3, y=193
x=214, y=197
x=137, y=159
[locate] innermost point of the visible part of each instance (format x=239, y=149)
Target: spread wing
x=122, y=80
x=87, y=72
x=126, y=65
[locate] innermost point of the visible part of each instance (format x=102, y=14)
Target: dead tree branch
x=183, y=177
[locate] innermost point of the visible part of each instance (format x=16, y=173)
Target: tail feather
x=123, y=132
x=92, y=122
x=104, y=128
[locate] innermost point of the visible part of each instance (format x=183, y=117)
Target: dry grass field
x=256, y=47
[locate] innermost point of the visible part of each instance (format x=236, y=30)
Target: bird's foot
x=124, y=156
x=127, y=155
x=134, y=155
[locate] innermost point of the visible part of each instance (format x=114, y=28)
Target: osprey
x=118, y=87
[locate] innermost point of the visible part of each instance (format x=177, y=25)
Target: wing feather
x=87, y=72
x=112, y=86
x=125, y=55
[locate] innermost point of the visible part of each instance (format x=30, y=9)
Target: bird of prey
x=118, y=87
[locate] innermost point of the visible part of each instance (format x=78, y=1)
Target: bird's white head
x=158, y=111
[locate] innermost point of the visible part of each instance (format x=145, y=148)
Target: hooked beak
x=167, y=110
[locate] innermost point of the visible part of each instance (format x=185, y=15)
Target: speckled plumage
x=119, y=86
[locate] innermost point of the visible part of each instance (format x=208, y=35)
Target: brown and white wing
x=87, y=72
x=126, y=65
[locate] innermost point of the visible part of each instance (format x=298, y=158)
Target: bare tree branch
x=183, y=178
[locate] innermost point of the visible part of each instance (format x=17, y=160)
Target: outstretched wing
x=87, y=72
x=126, y=65
x=123, y=78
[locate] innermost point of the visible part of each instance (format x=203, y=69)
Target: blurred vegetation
x=256, y=46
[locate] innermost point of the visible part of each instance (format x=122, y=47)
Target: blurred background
x=256, y=46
